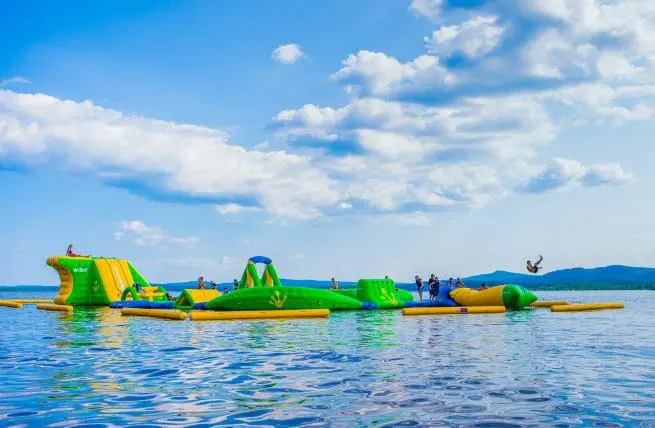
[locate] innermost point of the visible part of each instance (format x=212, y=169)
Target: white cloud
x=475, y=37
x=378, y=74
x=426, y=8
x=36, y=129
x=482, y=127
x=235, y=209
x=14, y=80
x=602, y=174
x=593, y=37
x=597, y=102
x=145, y=235
x=287, y=54
x=564, y=173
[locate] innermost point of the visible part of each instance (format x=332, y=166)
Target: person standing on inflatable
x=534, y=268
x=419, y=287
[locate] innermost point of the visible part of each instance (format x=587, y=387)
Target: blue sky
x=346, y=139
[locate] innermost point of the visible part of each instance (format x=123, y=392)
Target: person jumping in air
x=534, y=268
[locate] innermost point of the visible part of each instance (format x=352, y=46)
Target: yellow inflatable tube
x=548, y=303
x=11, y=304
x=29, y=300
x=585, y=307
x=468, y=297
x=455, y=310
x=244, y=315
x=155, y=313
x=53, y=307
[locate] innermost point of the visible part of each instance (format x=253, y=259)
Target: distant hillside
x=178, y=286
x=616, y=275
x=601, y=278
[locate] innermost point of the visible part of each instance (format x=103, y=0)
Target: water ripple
x=356, y=369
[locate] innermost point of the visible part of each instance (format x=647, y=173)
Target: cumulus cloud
x=178, y=159
x=426, y=8
x=377, y=74
x=427, y=134
x=145, y=235
x=432, y=132
x=287, y=54
x=475, y=37
x=601, y=174
x=487, y=127
x=564, y=173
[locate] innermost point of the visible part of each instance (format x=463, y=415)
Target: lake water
x=375, y=368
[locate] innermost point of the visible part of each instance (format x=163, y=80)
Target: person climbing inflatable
x=534, y=268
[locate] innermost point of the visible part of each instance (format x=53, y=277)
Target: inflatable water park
x=86, y=281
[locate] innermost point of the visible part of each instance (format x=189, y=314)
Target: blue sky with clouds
x=345, y=139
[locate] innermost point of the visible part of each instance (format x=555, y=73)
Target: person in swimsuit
x=431, y=289
x=225, y=290
x=534, y=268
x=484, y=286
x=213, y=285
x=70, y=253
x=459, y=283
x=450, y=282
x=236, y=285
x=201, y=283
x=419, y=287
x=335, y=284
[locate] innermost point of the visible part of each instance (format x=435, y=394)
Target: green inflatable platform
x=267, y=293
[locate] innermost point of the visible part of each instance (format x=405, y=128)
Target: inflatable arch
x=251, y=279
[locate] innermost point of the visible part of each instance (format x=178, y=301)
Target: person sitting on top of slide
x=70, y=253
x=534, y=268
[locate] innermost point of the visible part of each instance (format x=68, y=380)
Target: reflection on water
x=368, y=368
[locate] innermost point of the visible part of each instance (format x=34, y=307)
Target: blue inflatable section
x=142, y=304
x=443, y=300
x=369, y=305
x=424, y=304
x=443, y=297
x=200, y=306
x=261, y=259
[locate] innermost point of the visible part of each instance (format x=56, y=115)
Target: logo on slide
x=80, y=270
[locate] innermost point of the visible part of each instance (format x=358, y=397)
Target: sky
x=346, y=139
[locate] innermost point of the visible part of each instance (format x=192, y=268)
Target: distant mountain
x=179, y=286
x=615, y=274
x=608, y=277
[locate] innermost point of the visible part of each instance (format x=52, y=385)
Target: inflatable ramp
x=93, y=281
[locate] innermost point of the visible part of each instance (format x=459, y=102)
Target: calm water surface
x=376, y=368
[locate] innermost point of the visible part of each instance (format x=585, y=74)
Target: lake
x=367, y=368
